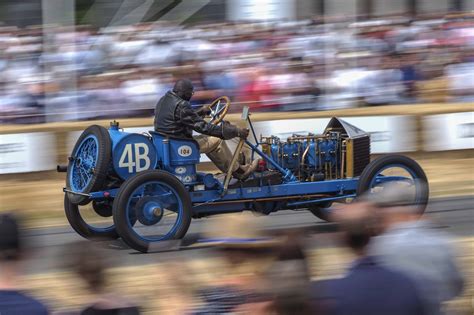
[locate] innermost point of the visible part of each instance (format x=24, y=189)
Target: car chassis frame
x=221, y=199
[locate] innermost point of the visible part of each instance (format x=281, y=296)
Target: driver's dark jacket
x=175, y=117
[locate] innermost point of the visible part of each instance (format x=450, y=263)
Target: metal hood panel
x=351, y=130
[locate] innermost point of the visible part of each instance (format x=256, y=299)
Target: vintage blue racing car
x=145, y=188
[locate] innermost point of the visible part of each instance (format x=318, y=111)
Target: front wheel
x=159, y=202
x=397, y=170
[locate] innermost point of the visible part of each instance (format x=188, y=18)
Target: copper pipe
x=343, y=158
x=317, y=151
x=294, y=138
x=303, y=157
x=299, y=154
x=336, y=154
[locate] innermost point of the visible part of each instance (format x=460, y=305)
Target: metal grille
x=361, y=154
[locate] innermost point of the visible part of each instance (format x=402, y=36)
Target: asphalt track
x=49, y=245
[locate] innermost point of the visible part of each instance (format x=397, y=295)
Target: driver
x=175, y=117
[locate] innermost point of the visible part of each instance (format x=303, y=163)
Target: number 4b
x=141, y=154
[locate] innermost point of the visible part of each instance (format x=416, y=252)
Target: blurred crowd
x=402, y=264
x=52, y=73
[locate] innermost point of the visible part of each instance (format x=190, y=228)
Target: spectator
x=12, y=301
x=89, y=263
x=368, y=287
x=289, y=279
x=260, y=64
x=461, y=81
x=412, y=245
x=410, y=75
x=247, y=255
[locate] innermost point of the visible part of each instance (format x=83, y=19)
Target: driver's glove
x=243, y=133
x=205, y=110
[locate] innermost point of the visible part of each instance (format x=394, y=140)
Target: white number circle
x=185, y=150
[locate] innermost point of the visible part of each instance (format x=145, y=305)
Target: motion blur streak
x=272, y=61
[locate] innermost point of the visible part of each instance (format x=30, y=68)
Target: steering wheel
x=218, y=109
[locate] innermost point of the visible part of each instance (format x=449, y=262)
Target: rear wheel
x=87, y=223
x=88, y=164
x=397, y=170
x=159, y=202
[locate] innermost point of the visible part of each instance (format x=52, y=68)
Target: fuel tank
x=131, y=152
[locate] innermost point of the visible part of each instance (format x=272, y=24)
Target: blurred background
x=403, y=70
x=85, y=59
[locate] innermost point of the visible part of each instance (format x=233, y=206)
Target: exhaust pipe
x=61, y=168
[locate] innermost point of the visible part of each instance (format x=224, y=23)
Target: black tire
x=103, y=160
x=76, y=221
x=374, y=167
x=319, y=212
x=122, y=199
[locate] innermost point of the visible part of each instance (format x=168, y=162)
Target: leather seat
x=182, y=150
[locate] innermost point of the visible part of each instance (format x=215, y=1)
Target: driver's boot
x=244, y=171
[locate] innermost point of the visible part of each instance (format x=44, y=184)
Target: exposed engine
x=330, y=155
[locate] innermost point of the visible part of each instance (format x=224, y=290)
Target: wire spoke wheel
x=88, y=164
x=84, y=163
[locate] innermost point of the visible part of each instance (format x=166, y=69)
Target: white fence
x=448, y=132
x=31, y=152
x=27, y=152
